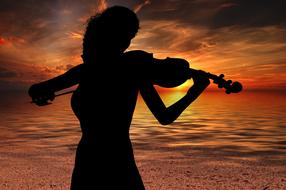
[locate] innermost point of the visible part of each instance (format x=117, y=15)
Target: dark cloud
x=34, y=20
x=64, y=67
x=191, y=44
x=193, y=12
x=19, y=18
x=160, y=34
x=218, y=13
x=128, y=3
x=18, y=70
x=5, y=73
x=251, y=13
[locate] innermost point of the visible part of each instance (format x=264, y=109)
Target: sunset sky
x=244, y=39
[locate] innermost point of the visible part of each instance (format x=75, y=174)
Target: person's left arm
x=44, y=91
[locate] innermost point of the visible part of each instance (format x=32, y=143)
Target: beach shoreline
x=169, y=168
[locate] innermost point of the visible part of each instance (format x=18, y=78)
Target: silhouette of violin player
x=109, y=81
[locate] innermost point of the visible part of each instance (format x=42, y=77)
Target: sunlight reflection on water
x=247, y=121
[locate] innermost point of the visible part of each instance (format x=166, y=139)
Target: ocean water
x=245, y=122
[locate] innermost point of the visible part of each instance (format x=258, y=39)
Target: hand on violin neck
x=201, y=79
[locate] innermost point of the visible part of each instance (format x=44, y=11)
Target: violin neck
x=209, y=75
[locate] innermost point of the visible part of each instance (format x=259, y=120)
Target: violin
x=168, y=73
x=228, y=85
x=175, y=71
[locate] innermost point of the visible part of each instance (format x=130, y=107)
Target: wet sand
x=182, y=168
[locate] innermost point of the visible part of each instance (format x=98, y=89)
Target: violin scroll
x=231, y=87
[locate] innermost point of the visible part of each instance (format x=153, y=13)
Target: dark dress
x=104, y=104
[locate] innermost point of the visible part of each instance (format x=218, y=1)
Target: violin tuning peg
x=221, y=76
x=227, y=91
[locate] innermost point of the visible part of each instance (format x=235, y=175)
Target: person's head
x=109, y=33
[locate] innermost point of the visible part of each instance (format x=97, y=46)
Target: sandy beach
x=198, y=168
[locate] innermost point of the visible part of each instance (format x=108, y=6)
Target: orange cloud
x=2, y=41
x=12, y=41
x=75, y=35
x=138, y=7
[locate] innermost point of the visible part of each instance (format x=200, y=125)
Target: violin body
x=172, y=73
x=176, y=72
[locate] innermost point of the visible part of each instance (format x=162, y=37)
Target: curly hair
x=105, y=29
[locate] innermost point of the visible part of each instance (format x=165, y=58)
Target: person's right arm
x=167, y=115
